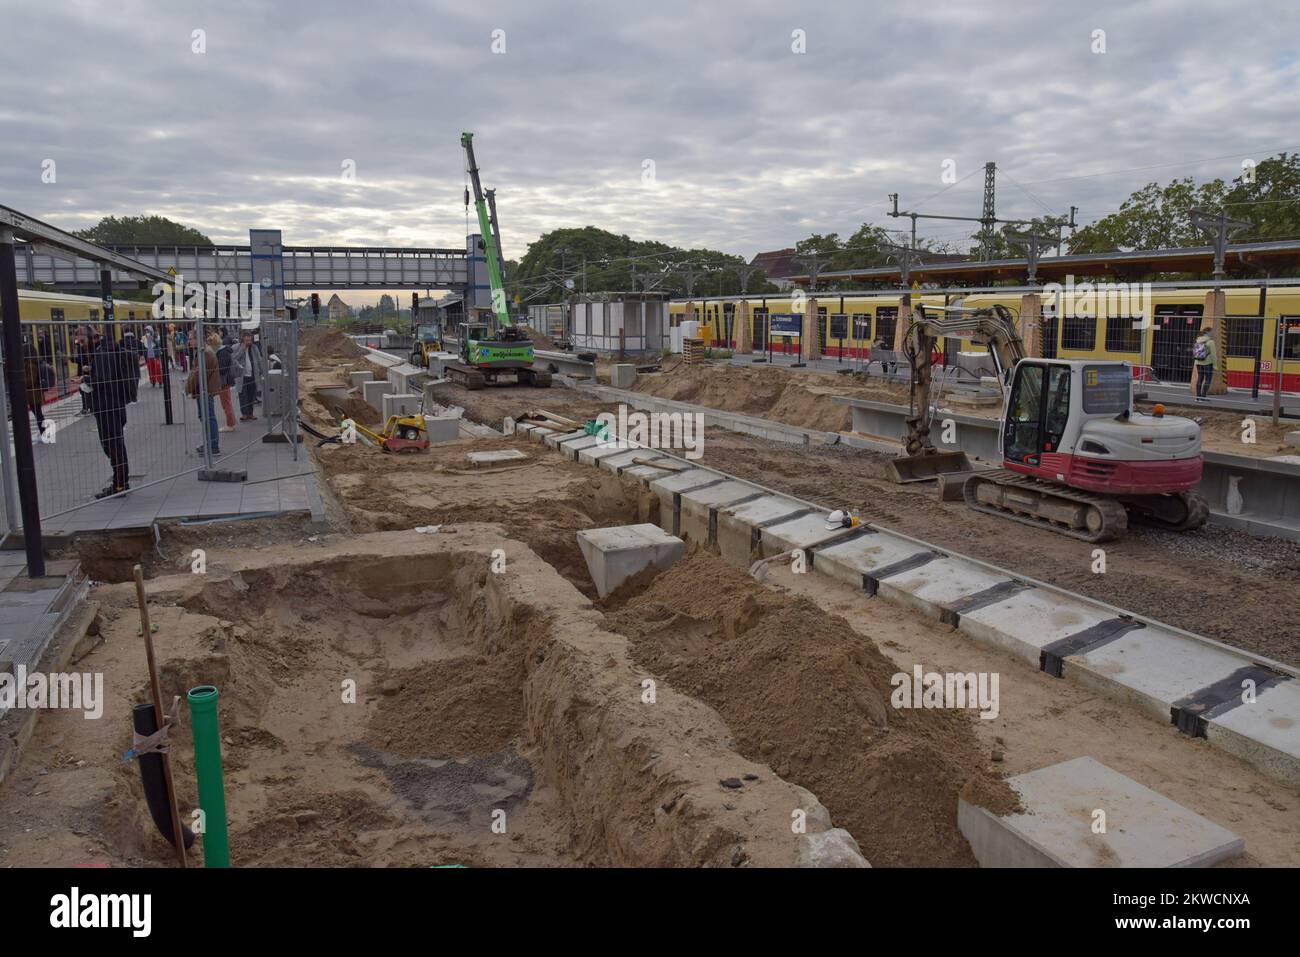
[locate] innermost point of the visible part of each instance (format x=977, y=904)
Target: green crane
x=483, y=356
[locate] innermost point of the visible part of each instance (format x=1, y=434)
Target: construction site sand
x=1043, y=721
x=476, y=693
x=801, y=690
x=795, y=398
x=539, y=500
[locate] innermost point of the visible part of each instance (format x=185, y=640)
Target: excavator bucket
x=927, y=466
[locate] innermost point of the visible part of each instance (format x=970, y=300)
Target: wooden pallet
x=693, y=351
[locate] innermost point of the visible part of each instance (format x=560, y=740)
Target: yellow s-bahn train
x=850, y=325
x=51, y=322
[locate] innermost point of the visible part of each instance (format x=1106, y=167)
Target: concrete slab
x=805, y=531
x=1152, y=668
x=1265, y=732
x=359, y=378
x=934, y=586
x=593, y=455
x=495, y=458
x=849, y=561
x=1063, y=805
x=615, y=554
x=696, y=512
x=555, y=438
x=737, y=524
x=1025, y=623
x=570, y=448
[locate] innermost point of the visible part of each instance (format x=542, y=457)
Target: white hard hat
x=837, y=519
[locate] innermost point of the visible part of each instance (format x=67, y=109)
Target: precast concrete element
x=374, y=392
x=400, y=404
x=1081, y=813
x=357, y=378
x=441, y=428
x=1245, y=704
x=615, y=554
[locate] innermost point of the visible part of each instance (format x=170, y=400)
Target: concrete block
x=1265, y=732
x=357, y=378
x=441, y=428
x=400, y=404
x=374, y=392
x=615, y=554
x=438, y=361
x=405, y=377
x=1293, y=439
x=736, y=525
x=1055, y=828
x=697, y=511
x=622, y=376
x=494, y=458
x=1152, y=668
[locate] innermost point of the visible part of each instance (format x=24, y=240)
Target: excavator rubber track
x=1066, y=511
x=467, y=376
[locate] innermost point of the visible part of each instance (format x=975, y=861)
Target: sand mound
x=802, y=399
x=316, y=343
x=802, y=691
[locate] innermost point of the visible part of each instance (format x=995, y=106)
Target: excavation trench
x=391, y=700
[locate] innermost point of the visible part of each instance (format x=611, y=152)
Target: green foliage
x=1158, y=217
x=601, y=261
x=142, y=231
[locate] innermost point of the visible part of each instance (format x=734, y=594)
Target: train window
x=1245, y=336
x=1121, y=336
x=56, y=315
x=886, y=323
x=1290, y=337
x=1079, y=332
x=861, y=326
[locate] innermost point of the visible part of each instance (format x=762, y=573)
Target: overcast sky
x=753, y=145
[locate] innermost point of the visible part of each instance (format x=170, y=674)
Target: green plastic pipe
x=207, y=766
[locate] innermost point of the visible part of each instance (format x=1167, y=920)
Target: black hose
x=151, y=776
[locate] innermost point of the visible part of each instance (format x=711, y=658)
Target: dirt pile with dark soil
x=803, y=692
x=795, y=398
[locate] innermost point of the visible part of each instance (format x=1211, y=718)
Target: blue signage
x=786, y=324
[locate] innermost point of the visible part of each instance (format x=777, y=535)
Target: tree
x=1267, y=196
x=600, y=261
x=142, y=231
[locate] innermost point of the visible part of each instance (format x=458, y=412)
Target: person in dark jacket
x=111, y=375
x=33, y=389
x=131, y=350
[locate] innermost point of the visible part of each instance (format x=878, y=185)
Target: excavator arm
x=994, y=327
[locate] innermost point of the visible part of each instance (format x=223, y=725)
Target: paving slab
x=1064, y=806
x=851, y=560
x=496, y=457
x=1025, y=623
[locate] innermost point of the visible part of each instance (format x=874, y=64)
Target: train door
x=1172, y=337
x=760, y=329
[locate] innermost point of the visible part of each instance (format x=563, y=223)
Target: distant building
x=778, y=265
x=337, y=309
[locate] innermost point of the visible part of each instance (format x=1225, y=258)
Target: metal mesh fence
x=114, y=407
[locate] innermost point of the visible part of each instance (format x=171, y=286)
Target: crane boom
x=490, y=240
